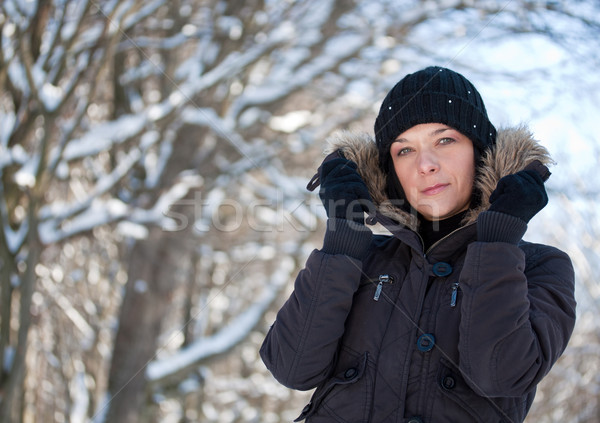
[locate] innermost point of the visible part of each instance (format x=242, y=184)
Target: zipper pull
x=378, y=291
x=382, y=279
x=454, y=294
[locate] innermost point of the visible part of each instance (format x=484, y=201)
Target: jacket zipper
x=455, y=285
x=382, y=280
x=441, y=239
x=454, y=294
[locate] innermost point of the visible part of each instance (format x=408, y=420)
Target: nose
x=427, y=163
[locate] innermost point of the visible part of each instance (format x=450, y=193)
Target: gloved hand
x=520, y=195
x=343, y=192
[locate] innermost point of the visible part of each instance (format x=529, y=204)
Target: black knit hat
x=433, y=95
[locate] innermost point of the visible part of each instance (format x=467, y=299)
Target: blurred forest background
x=153, y=160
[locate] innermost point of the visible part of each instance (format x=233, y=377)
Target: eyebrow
x=431, y=134
x=439, y=131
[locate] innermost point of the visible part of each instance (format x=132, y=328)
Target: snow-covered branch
x=282, y=84
x=95, y=212
x=228, y=337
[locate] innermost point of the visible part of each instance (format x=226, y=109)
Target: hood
x=515, y=149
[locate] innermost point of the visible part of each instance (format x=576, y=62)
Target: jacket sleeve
x=518, y=313
x=300, y=348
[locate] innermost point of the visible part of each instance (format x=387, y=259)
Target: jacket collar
x=515, y=148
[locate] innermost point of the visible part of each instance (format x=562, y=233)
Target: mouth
x=434, y=189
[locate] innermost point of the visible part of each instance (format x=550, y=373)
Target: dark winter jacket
x=460, y=333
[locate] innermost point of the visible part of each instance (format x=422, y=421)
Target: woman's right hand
x=343, y=192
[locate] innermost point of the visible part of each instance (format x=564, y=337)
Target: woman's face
x=435, y=165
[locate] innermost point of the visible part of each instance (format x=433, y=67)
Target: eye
x=444, y=141
x=399, y=149
x=403, y=151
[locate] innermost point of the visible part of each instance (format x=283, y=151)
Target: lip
x=435, y=189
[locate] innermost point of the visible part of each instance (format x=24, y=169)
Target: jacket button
x=426, y=342
x=350, y=373
x=448, y=383
x=415, y=420
x=442, y=269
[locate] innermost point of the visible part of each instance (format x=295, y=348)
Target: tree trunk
x=147, y=294
x=12, y=388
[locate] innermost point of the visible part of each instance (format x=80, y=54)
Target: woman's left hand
x=520, y=195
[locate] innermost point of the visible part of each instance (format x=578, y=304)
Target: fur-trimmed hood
x=515, y=149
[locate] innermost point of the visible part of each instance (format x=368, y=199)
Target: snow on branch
x=15, y=239
x=7, y=126
x=104, y=136
x=224, y=340
x=283, y=84
x=71, y=312
x=288, y=191
x=58, y=212
x=159, y=212
x=224, y=128
x=95, y=212
x=233, y=64
x=148, y=9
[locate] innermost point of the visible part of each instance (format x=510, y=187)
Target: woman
x=452, y=317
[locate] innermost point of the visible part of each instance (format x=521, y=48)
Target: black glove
x=520, y=195
x=343, y=192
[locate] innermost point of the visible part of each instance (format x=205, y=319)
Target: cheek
x=467, y=178
x=402, y=176
x=409, y=185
